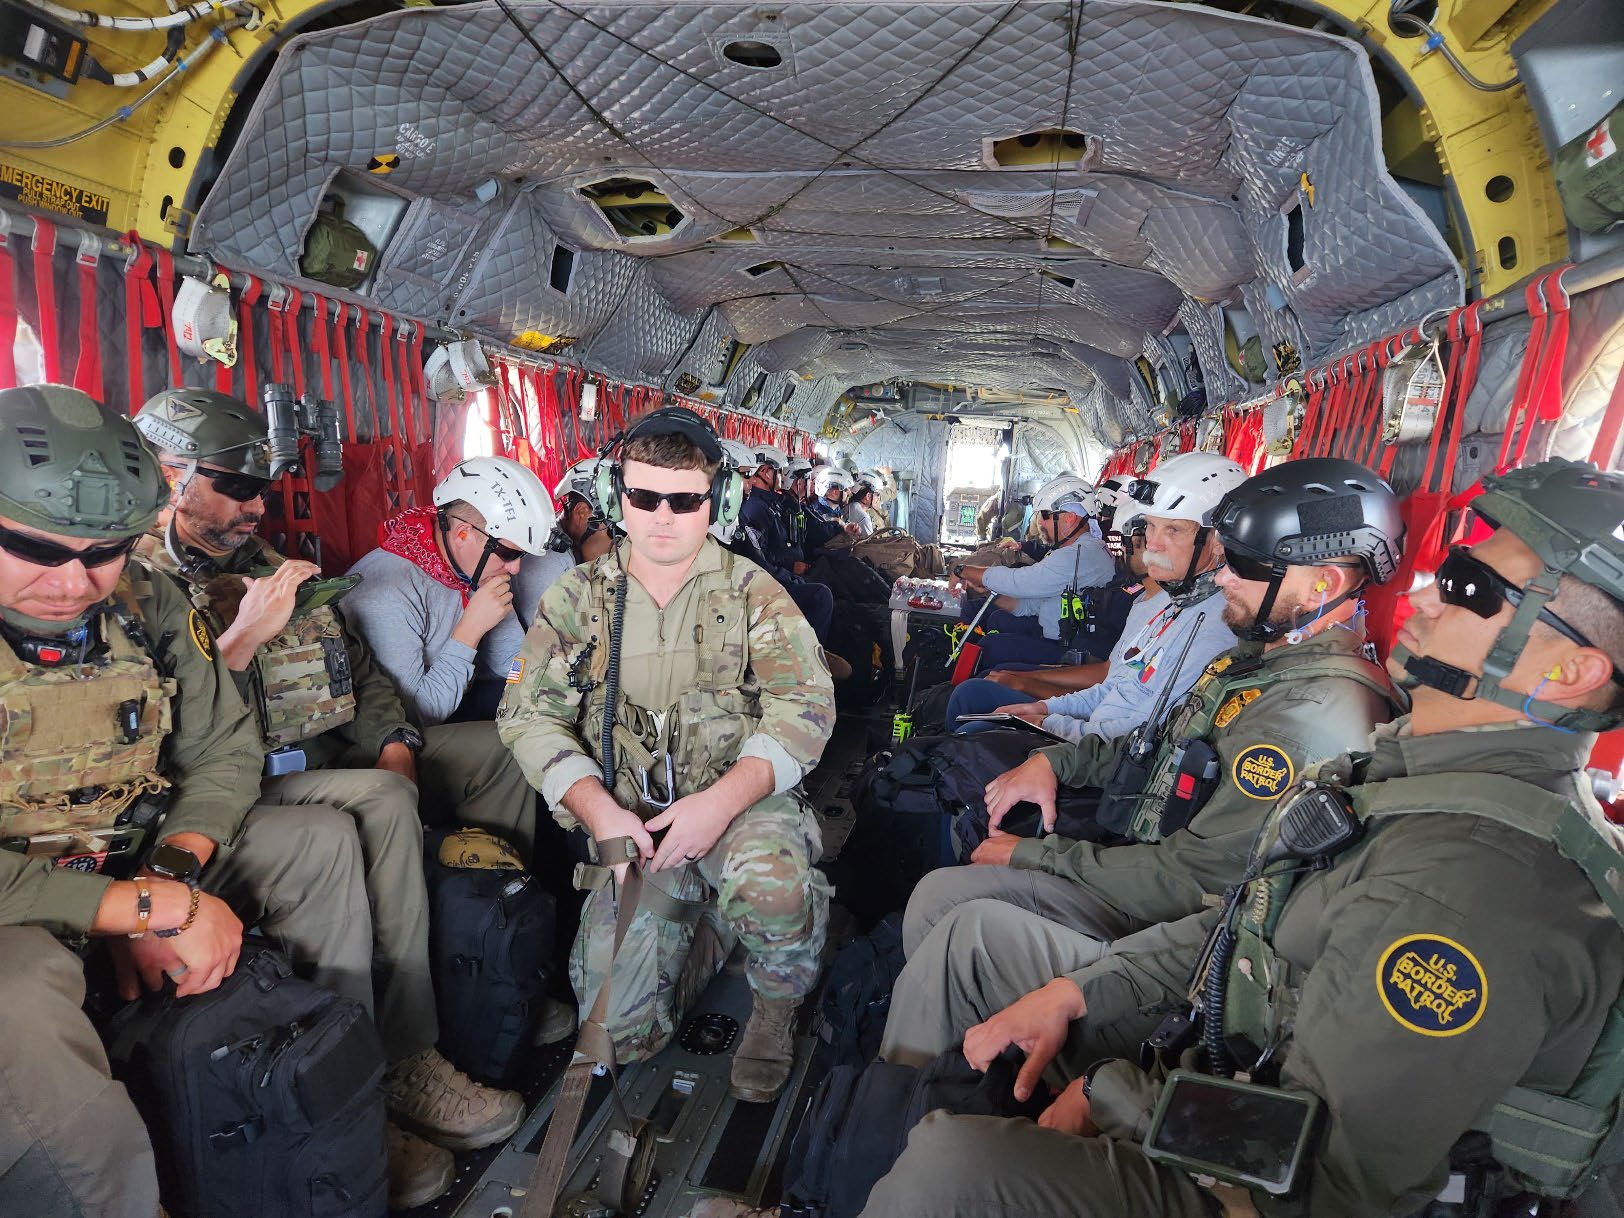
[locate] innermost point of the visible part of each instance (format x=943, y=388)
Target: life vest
x=301, y=681
x=82, y=741
x=1553, y=1145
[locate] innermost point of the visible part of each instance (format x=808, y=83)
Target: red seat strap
x=45, y=297
x=166, y=293
x=341, y=353
x=246, y=356
x=8, y=314
x=87, y=373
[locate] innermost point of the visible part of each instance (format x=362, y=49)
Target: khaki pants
x=467, y=779
x=978, y=1166
x=71, y=1143
x=978, y=959
x=381, y=808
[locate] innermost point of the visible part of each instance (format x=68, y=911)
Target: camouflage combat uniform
x=728, y=669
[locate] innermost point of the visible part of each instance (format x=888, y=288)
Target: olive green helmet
x=1572, y=516
x=1567, y=512
x=72, y=467
x=203, y=425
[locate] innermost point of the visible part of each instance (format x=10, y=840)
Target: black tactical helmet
x=70, y=466
x=1313, y=511
x=1304, y=514
x=204, y=425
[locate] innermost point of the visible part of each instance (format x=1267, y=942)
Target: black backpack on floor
x=857, y=996
x=491, y=931
x=262, y=1095
x=921, y=806
x=858, y=1121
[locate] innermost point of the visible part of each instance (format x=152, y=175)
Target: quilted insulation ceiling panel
x=861, y=209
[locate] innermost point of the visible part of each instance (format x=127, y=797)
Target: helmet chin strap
x=1185, y=585
x=443, y=519
x=1507, y=648
x=1264, y=631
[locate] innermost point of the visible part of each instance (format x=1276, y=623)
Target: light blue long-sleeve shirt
x=1140, y=664
x=1036, y=589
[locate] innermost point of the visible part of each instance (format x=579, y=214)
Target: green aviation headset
x=727, y=486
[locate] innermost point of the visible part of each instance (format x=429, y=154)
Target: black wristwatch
x=171, y=862
x=409, y=736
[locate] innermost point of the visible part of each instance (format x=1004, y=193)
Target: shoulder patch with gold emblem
x=1262, y=771
x=201, y=638
x=1227, y=712
x=1432, y=985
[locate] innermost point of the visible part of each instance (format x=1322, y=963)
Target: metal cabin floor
x=718, y=1156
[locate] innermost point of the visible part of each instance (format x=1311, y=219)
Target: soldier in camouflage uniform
x=113, y=693
x=325, y=710
x=718, y=702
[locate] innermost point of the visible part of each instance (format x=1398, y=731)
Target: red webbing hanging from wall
x=87, y=372
x=8, y=314
x=341, y=353
x=45, y=295
x=246, y=352
x=321, y=343
x=166, y=294
x=1604, y=453
x=363, y=356
x=1538, y=396
x=386, y=358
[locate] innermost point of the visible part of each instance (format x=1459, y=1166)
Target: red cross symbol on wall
x=1600, y=145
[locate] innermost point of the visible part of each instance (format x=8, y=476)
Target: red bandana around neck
x=411, y=536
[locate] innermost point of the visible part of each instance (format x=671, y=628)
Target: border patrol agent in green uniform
x=1296, y=691
x=323, y=705
x=116, y=705
x=1427, y=946
x=673, y=688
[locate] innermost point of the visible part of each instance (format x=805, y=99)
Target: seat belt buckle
x=90, y=249
x=284, y=761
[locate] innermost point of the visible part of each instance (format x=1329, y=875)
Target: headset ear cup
x=727, y=497
x=606, y=488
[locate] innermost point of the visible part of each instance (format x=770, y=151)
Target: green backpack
x=335, y=250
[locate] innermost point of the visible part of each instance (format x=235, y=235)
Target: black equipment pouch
x=1193, y=784
x=1176, y=1033
x=1241, y=1133
x=1121, y=792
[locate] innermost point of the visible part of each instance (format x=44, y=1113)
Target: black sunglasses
x=682, y=502
x=1470, y=583
x=45, y=553
x=241, y=487
x=499, y=549
x=1250, y=569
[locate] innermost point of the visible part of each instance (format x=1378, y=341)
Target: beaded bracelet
x=191, y=916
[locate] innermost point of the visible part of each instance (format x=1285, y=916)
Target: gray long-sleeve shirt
x=1036, y=589
x=1140, y=664
x=407, y=619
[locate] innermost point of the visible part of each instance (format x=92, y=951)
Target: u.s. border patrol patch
x=1262, y=771
x=1432, y=985
x=201, y=639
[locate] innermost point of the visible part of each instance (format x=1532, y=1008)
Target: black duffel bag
x=263, y=1095
x=858, y=1121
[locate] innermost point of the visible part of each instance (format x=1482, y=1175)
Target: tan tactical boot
x=766, y=1051
x=557, y=1023
x=418, y=1171
x=432, y=1098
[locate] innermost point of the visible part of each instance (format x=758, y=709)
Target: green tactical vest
x=301, y=678
x=704, y=728
x=1227, y=677
x=1554, y=1144
x=69, y=765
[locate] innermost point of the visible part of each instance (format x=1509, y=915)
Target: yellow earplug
x=1554, y=675
x=1321, y=586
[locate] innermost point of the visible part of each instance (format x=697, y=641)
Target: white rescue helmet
x=1186, y=487
x=516, y=506
x=1065, y=493
x=830, y=476
x=577, y=480
x=799, y=467
x=769, y=454
x=740, y=456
